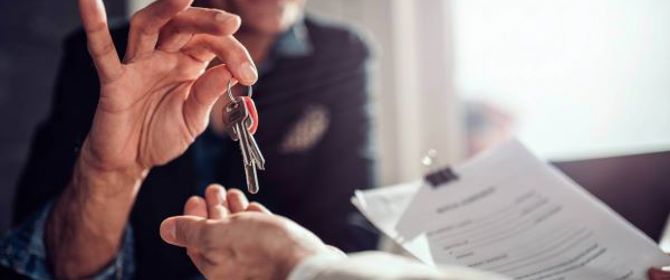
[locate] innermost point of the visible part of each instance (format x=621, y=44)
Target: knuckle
x=226, y=23
x=218, y=15
x=171, y=6
x=138, y=23
x=101, y=50
x=172, y=26
x=235, y=55
x=171, y=30
x=181, y=235
x=96, y=28
x=209, y=238
x=136, y=19
x=188, y=233
x=214, y=256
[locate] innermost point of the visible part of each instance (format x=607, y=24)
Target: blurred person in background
x=103, y=166
x=486, y=125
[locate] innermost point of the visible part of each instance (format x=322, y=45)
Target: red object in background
x=657, y=274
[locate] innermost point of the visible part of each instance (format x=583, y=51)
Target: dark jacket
x=311, y=186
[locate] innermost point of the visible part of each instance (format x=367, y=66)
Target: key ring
x=230, y=91
x=250, y=91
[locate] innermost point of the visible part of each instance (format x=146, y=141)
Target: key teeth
x=259, y=165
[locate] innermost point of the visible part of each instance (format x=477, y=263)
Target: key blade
x=255, y=157
x=246, y=159
x=232, y=133
x=250, y=173
x=256, y=151
x=252, y=178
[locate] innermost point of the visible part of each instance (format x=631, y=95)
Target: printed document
x=510, y=213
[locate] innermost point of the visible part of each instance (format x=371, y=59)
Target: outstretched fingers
x=230, y=51
x=217, y=206
x=145, y=26
x=237, y=201
x=100, y=43
x=179, y=31
x=195, y=206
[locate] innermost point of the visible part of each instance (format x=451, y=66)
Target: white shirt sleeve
x=378, y=265
x=311, y=267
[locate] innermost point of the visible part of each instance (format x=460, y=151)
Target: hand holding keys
x=241, y=121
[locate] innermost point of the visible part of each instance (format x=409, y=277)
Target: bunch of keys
x=241, y=120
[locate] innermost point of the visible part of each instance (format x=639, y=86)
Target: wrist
x=106, y=182
x=85, y=228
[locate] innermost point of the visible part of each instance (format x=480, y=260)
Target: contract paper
x=383, y=208
x=514, y=215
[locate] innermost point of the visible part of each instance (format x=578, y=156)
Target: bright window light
x=581, y=78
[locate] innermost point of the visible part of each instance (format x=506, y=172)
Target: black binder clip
x=440, y=176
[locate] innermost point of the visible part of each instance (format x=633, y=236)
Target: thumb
x=205, y=91
x=182, y=231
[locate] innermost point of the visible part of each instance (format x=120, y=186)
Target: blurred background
x=572, y=79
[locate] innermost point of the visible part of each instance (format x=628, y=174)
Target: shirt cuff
x=23, y=250
x=311, y=267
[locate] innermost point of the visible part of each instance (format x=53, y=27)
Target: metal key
x=237, y=115
x=252, y=145
x=260, y=160
x=254, y=151
x=238, y=123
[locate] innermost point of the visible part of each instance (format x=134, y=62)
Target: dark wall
x=31, y=33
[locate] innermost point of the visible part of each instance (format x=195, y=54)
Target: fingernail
x=171, y=230
x=248, y=72
x=221, y=17
x=222, y=196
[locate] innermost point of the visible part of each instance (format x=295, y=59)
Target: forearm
x=85, y=228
